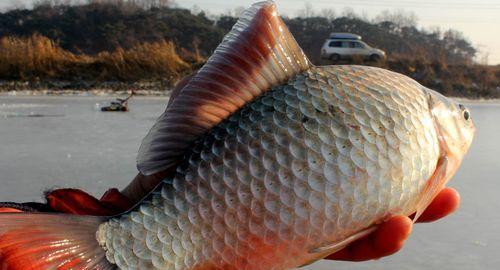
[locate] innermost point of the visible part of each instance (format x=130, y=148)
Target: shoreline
x=83, y=93
x=149, y=93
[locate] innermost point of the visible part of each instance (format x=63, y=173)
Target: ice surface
x=85, y=148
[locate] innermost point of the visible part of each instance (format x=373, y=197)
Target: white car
x=341, y=46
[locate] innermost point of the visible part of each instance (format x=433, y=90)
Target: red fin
x=115, y=200
x=256, y=55
x=77, y=202
x=50, y=241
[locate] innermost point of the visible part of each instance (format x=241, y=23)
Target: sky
x=478, y=20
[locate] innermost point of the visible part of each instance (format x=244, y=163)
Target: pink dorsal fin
x=257, y=54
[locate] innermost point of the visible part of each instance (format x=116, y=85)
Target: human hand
x=391, y=235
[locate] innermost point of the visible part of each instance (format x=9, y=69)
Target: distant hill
x=397, y=41
x=98, y=27
x=88, y=32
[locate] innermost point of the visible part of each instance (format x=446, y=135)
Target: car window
x=359, y=45
x=335, y=44
x=346, y=44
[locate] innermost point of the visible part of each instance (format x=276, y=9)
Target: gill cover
x=257, y=54
x=454, y=125
x=455, y=131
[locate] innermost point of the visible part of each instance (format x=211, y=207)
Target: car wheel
x=374, y=58
x=335, y=57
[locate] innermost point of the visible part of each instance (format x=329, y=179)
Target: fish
x=276, y=163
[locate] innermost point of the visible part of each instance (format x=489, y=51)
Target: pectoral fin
x=434, y=185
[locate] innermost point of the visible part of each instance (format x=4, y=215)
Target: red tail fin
x=50, y=241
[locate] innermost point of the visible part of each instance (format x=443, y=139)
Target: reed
x=39, y=58
x=32, y=57
x=143, y=61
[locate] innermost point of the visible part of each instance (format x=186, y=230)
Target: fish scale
x=285, y=173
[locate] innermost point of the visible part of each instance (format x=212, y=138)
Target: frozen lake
x=75, y=145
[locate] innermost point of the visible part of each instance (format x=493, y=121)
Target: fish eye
x=465, y=112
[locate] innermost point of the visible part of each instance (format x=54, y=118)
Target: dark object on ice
x=115, y=107
x=120, y=105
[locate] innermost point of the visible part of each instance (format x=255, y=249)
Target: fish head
x=454, y=127
x=455, y=130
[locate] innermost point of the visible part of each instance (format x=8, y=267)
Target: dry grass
x=464, y=80
x=36, y=56
x=39, y=58
x=145, y=60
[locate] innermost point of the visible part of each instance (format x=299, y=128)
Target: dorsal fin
x=257, y=54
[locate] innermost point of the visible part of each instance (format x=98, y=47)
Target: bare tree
x=436, y=31
x=364, y=16
x=196, y=10
x=328, y=13
x=163, y=3
x=40, y=3
x=307, y=11
x=227, y=12
x=483, y=55
x=399, y=17
x=238, y=11
x=349, y=13
x=16, y=4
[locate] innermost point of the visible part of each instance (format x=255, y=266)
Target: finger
x=386, y=240
x=445, y=203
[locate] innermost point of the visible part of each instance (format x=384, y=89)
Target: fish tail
x=31, y=241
